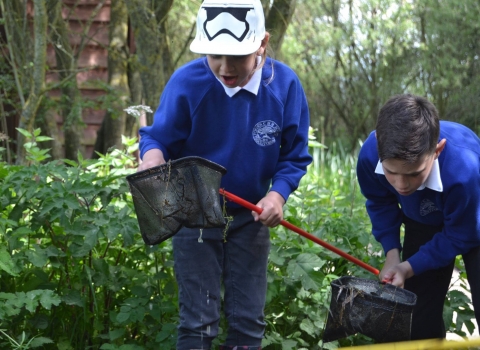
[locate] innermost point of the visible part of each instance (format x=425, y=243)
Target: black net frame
x=380, y=311
x=182, y=192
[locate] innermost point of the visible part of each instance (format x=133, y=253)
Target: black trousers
x=431, y=286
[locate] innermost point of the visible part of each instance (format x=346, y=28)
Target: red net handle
x=301, y=232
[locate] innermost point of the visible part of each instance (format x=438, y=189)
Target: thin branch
x=185, y=45
x=83, y=40
x=10, y=49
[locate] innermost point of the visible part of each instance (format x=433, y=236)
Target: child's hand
x=398, y=274
x=151, y=158
x=391, y=259
x=394, y=271
x=272, y=205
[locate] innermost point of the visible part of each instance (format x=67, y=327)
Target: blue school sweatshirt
x=262, y=140
x=457, y=207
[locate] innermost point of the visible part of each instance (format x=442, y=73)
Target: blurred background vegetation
x=66, y=63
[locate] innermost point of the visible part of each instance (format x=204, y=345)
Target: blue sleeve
x=382, y=204
x=171, y=121
x=461, y=231
x=294, y=157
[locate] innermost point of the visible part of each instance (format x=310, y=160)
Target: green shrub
x=76, y=274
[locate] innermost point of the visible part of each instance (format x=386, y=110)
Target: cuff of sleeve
x=283, y=188
x=420, y=263
x=391, y=242
x=147, y=148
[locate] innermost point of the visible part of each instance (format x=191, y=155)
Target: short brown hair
x=407, y=128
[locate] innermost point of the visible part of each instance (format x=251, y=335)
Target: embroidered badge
x=265, y=132
x=427, y=207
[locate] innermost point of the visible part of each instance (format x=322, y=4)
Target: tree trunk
x=136, y=95
x=35, y=96
x=151, y=45
x=70, y=103
x=277, y=21
x=113, y=125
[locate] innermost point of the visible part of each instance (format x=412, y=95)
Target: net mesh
x=182, y=192
x=382, y=312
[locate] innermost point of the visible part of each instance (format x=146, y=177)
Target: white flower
x=136, y=111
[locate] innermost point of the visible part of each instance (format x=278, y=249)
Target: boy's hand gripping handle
x=301, y=232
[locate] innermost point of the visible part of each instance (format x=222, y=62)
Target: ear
x=440, y=147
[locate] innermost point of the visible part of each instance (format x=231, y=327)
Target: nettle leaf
x=6, y=262
x=306, y=268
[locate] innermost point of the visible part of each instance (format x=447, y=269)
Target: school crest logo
x=265, y=133
x=427, y=207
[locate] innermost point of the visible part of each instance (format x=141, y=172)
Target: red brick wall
x=92, y=61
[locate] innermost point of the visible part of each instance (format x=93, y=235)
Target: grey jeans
x=203, y=260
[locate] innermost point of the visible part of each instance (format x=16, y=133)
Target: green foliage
x=76, y=274
x=34, y=153
x=352, y=55
x=23, y=343
x=74, y=269
x=300, y=271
